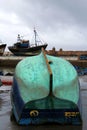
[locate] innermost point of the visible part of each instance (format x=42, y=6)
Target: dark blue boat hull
x=31, y=113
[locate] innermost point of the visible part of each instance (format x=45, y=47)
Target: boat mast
x=18, y=38
x=35, y=33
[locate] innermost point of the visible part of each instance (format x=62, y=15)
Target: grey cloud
x=63, y=23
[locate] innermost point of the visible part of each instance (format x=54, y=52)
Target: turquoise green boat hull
x=46, y=89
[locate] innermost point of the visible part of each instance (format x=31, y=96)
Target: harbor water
x=5, y=110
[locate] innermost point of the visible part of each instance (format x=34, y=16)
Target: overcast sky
x=60, y=23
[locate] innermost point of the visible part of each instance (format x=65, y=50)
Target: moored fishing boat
x=45, y=89
x=2, y=48
x=24, y=48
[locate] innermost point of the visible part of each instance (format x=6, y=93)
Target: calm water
x=5, y=109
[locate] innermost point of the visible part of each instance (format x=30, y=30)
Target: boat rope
x=50, y=72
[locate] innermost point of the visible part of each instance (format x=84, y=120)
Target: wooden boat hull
x=46, y=90
x=27, y=51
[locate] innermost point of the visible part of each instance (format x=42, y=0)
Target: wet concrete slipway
x=5, y=109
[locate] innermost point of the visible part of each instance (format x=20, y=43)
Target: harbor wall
x=9, y=61
x=80, y=63
x=13, y=61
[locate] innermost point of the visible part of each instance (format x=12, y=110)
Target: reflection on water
x=5, y=101
x=83, y=86
x=5, y=109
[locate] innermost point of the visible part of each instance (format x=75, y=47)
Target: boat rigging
x=25, y=48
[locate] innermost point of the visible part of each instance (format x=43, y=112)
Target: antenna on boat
x=19, y=38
